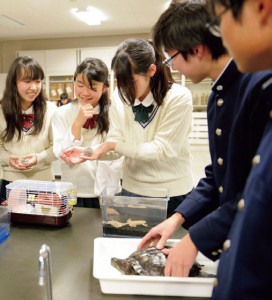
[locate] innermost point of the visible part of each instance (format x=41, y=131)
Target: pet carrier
x=39, y=202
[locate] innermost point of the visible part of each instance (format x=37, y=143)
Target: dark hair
x=95, y=69
x=63, y=96
x=183, y=26
x=22, y=68
x=134, y=56
x=234, y=5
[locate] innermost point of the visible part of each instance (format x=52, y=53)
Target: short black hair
x=234, y=5
x=63, y=96
x=183, y=26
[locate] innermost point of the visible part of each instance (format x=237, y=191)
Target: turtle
x=149, y=262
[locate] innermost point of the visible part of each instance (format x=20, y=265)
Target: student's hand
x=159, y=234
x=180, y=258
x=29, y=160
x=99, y=151
x=15, y=162
x=85, y=112
x=72, y=155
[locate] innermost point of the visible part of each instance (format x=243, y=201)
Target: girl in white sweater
x=25, y=125
x=150, y=120
x=85, y=122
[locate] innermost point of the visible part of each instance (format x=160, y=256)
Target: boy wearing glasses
x=244, y=270
x=236, y=120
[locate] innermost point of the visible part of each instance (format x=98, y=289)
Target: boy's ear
x=265, y=10
x=199, y=50
x=152, y=70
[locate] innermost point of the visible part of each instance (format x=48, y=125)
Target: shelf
x=199, y=108
x=200, y=91
x=59, y=85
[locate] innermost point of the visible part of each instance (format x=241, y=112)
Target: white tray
x=113, y=282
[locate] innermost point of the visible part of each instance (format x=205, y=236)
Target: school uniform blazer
x=245, y=266
x=237, y=114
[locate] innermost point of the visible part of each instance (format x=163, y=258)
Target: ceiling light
x=91, y=16
x=9, y=22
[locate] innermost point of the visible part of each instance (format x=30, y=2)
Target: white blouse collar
x=148, y=100
x=28, y=111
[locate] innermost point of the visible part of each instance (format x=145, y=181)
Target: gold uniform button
x=218, y=131
x=220, y=189
x=220, y=161
x=270, y=114
x=220, y=102
x=214, y=253
x=256, y=160
x=241, y=204
x=215, y=282
x=219, y=88
x=226, y=245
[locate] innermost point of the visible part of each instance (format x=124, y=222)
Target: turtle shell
x=147, y=262
x=150, y=262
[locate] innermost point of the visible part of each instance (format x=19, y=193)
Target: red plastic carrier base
x=53, y=221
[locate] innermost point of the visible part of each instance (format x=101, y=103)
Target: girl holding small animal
x=150, y=124
x=85, y=122
x=26, y=141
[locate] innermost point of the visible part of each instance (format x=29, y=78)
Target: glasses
x=168, y=61
x=214, y=25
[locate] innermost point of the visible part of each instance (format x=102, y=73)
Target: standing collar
x=223, y=71
x=267, y=84
x=226, y=78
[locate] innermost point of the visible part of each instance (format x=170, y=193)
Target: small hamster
x=88, y=151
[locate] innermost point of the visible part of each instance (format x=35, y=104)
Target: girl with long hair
x=85, y=123
x=25, y=125
x=150, y=123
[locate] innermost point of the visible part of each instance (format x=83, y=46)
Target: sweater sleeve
x=4, y=154
x=63, y=137
x=47, y=156
x=170, y=136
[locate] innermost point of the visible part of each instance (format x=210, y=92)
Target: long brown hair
x=27, y=68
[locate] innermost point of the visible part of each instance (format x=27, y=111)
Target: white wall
x=8, y=49
x=2, y=83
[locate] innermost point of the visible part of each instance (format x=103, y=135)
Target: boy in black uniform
x=236, y=120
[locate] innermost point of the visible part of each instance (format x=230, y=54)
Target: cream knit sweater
x=157, y=156
x=41, y=144
x=90, y=177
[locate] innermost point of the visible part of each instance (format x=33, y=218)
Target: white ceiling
x=53, y=18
